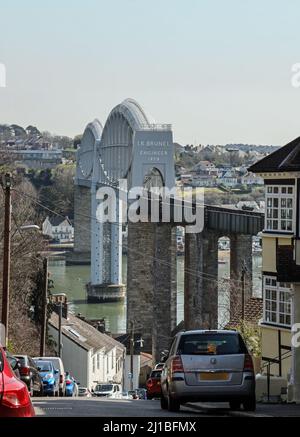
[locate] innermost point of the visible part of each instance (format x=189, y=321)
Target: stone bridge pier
x=152, y=284
x=201, y=281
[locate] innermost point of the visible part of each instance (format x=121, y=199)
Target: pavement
x=103, y=407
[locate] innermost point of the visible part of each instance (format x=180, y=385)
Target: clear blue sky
x=219, y=71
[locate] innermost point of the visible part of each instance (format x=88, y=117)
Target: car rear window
x=156, y=374
x=44, y=366
x=21, y=359
x=211, y=344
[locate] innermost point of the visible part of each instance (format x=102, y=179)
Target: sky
x=218, y=71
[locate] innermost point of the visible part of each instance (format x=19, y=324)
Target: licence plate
x=207, y=376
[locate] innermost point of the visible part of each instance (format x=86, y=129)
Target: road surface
x=103, y=407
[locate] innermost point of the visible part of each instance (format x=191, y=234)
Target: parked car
x=30, y=375
x=153, y=384
x=57, y=364
x=71, y=385
x=14, y=363
x=49, y=377
x=107, y=390
x=14, y=397
x=142, y=393
x=208, y=366
x=133, y=394
x=84, y=392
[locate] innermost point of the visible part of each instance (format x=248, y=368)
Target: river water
x=72, y=279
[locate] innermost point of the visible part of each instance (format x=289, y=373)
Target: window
x=279, y=208
x=98, y=361
x=94, y=362
x=277, y=302
x=107, y=364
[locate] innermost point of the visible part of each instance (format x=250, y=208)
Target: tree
x=24, y=335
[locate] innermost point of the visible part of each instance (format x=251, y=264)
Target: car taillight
x=16, y=398
x=61, y=379
x=176, y=365
x=68, y=382
x=24, y=371
x=248, y=364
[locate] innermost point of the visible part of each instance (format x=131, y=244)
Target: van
x=57, y=364
x=108, y=389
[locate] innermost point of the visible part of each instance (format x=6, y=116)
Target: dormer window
x=280, y=208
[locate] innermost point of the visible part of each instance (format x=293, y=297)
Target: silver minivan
x=207, y=366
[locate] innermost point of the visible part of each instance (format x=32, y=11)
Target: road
x=101, y=407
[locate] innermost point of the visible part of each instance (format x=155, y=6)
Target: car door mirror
x=56, y=371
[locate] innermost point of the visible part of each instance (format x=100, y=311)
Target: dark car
x=30, y=375
x=14, y=363
x=14, y=397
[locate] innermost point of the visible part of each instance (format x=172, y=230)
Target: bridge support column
x=106, y=262
x=82, y=227
x=240, y=259
x=201, y=281
x=165, y=288
x=116, y=244
x=139, y=280
x=151, y=284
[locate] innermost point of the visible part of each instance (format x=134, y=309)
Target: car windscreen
x=44, y=366
x=211, y=344
x=104, y=387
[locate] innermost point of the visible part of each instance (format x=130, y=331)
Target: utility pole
x=131, y=354
x=243, y=292
x=44, y=308
x=59, y=331
x=6, y=256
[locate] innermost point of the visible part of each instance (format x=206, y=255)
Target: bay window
x=280, y=206
x=277, y=302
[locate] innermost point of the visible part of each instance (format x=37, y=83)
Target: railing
x=277, y=360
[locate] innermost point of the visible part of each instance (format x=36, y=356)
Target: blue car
x=50, y=377
x=71, y=386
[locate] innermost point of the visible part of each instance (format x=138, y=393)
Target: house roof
x=84, y=334
x=56, y=220
x=253, y=313
x=287, y=158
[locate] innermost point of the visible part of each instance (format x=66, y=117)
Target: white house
x=89, y=355
x=59, y=228
x=251, y=179
x=228, y=178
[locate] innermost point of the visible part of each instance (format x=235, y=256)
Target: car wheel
x=41, y=392
x=173, y=404
x=235, y=405
x=163, y=402
x=250, y=404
